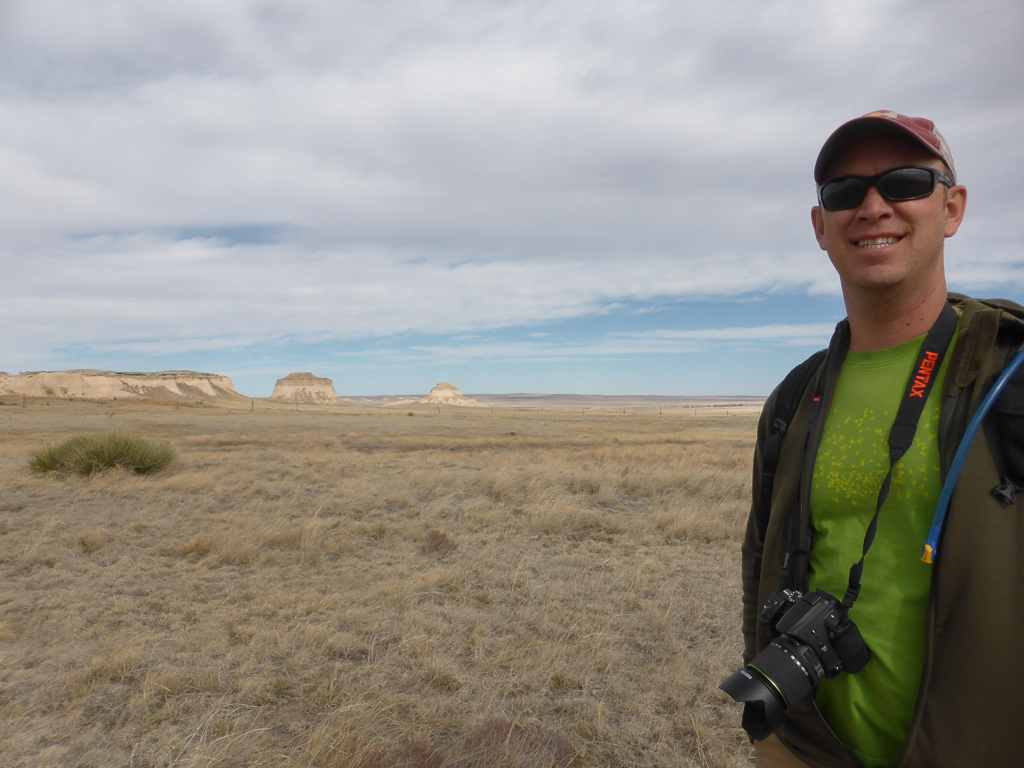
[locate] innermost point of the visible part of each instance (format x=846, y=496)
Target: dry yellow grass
x=354, y=587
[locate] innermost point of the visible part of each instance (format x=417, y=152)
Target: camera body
x=812, y=638
x=819, y=620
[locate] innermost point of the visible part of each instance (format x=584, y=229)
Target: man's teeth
x=877, y=242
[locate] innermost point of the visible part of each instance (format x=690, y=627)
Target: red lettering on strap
x=924, y=374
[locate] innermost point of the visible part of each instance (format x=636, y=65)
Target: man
x=944, y=685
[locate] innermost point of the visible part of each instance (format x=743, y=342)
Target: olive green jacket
x=970, y=704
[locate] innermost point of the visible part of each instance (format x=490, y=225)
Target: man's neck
x=883, y=321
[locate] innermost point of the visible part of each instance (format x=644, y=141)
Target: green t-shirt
x=872, y=709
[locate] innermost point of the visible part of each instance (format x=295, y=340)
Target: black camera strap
x=901, y=436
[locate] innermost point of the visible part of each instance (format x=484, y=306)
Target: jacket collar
x=981, y=321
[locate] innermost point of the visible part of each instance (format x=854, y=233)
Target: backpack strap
x=1008, y=415
x=787, y=400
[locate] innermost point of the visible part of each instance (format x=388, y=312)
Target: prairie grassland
x=358, y=587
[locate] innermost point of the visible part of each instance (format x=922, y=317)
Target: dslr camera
x=812, y=638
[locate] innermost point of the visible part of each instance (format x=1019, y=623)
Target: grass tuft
x=88, y=454
x=438, y=543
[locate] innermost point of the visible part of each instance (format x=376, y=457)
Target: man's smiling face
x=880, y=246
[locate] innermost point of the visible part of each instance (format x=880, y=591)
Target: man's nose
x=874, y=205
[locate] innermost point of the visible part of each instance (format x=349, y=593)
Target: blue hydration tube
x=931, y=545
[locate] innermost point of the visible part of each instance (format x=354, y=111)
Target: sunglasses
x=897, y=185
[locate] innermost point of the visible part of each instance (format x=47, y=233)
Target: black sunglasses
x=897, y=185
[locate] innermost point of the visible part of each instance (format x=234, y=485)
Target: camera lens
x=763, y=708
x=778, y=678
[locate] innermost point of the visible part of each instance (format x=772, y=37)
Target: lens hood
x=763, y=707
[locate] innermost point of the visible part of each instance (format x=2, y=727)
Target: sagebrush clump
x=89, y=454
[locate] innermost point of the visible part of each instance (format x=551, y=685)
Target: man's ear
x=819, y=227
x=956, y=206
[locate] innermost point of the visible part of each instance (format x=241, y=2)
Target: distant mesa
x=306, y=389
x=447, y=394
x=187, y=386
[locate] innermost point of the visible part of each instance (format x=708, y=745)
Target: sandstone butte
x=187, y=386
x=305, y=388
x=447, y=394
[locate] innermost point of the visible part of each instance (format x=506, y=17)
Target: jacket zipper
x=815, y=429
x=824, y=385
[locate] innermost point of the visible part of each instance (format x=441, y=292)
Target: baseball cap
x=920, y=129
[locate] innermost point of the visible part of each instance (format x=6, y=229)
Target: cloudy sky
x=571, y=196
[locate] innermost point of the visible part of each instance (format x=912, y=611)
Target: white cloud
x=161, y=295
x=222, y=174
x=760, y=333
x=625, y=344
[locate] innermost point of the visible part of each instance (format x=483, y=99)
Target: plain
x=370, y=587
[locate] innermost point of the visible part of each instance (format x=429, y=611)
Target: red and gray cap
x=918, y=128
